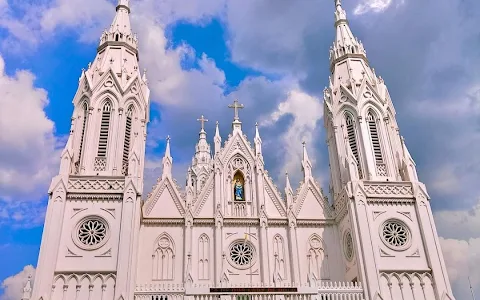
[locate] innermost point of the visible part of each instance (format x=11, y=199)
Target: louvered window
x=372, y=127
x=104, y=130
x=352, y=141
x=126, y=144
x=84, y=126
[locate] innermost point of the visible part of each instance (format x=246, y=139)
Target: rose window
x=91, y=233
x=242, y=253
x=395, y=234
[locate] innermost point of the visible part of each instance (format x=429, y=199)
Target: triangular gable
x=237, y=144
x=350, y=97
x=309, y=203
x=104, y=78
x=164, y=202
x=273, y=201
x=206, y=195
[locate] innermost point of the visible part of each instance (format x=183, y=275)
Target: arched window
x=164, y=258
x=104, y=130
x=203, y=257
x=127, y=140
x=82, y=134
x=352, y=141
x=279, y=257
x=375, y=139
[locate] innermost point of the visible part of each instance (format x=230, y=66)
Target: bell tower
x=94, y=201
x=385, y=221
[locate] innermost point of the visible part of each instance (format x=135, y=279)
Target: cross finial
x=168, y=138
x=202, y=121
x=235, y=107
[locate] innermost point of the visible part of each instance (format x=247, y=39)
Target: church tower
x=386, y=227
x=94, y=201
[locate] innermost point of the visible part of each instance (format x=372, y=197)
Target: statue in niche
x=238, y=190
x=238, y=187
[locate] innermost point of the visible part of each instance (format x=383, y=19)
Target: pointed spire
x=287, y=182
x=120, y=30
x=257, y=141
x=345, y=42
x=167, y=161
x=217, y=139
x=306, y=164
x=27, y=289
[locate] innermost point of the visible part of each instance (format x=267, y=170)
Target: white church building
x=230, y=233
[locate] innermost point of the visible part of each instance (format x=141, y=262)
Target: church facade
x=230, y=233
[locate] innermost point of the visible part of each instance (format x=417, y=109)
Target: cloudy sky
x=273, y=56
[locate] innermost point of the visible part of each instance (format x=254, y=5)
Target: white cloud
x=459, y=224
x=13, y=285
x=462, y=258
x=306, y=112
x=28, y=155
x=375, y=6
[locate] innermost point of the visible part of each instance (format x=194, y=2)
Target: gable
x=274, y=205
x=237, y=143
x=204, y=202
x=164, y=202
x=309, y=203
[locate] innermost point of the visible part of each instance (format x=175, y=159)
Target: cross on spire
x=202, y=121
x=235, y=107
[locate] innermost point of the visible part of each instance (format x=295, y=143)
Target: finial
x=236, y=106
x=167, y=148
x=202, y=121
x=257, y=134
x=338, y=3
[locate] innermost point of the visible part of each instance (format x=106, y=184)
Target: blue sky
x=273, y=56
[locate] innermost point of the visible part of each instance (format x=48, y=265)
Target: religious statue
x=238, y=188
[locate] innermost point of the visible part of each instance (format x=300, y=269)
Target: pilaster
x=366, y=253
x=50, y=238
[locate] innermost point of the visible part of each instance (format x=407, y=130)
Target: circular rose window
x=395, y=234
x=242, y=254
x=91, y=233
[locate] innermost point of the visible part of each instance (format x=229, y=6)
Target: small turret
x=306, y=164
x=217, y=139
x=27, y=289
x=258, y=142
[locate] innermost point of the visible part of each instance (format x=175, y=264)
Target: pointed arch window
x=279, y=257
x=82, y=135
x=352, y=141
x=376, y=146
x=164, y=258
x=127, y=140
x=203, y=257
x=317, y=258
x=104, y=129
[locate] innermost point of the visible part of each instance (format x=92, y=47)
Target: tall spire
x=120, y=31
x=345, y=42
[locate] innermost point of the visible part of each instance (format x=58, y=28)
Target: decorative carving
x=96, y=184
x=100, y=164
x=395, y=234
x=164, y=258
x=376, y=190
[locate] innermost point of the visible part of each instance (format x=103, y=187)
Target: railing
x=287, y=291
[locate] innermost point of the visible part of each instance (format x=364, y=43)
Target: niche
x=238, y=186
